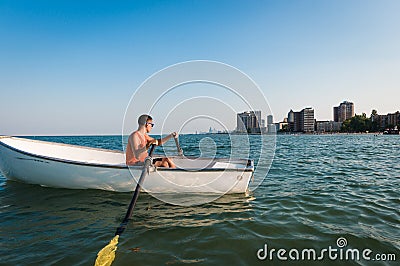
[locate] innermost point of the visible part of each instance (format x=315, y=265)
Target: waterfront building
x=293, y=121
x=390, y=120
x=270, y=119
x=393, y=119
x=249, y=122
x=281, y=126
x=271, y=128
x=343, y=112
x=336, y=113
x=328, y=126
x=302, y=121
x=307, y=120
x=380, y=120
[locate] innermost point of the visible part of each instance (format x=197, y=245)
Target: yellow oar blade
x=107, y=255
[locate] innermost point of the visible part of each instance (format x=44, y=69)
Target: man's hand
x=151, y=142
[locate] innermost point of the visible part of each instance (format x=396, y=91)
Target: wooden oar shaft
x=180, y=152
x=106, y=255
x=129, y=212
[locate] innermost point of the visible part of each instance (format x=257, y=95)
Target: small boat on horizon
x=61, y=165
x=391, y=132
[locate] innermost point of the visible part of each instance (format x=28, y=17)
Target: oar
x=180, y=152
x=106, y=256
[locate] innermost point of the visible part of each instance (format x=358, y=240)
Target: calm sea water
x=319, y=189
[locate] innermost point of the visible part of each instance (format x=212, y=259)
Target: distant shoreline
x=298, y=134
x=210, y=134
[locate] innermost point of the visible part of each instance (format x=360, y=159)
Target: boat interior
x=88, y=155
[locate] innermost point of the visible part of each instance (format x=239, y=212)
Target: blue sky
x=70, y=67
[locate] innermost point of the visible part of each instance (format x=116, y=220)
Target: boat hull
x=19, y=165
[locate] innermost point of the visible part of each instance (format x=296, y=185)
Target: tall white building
x=271, y=127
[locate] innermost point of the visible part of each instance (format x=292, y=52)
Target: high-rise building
x=249, y=122
x=270, y=119
x=343, y=112
x=336, y=113
x=271, y=128
x=302, y=121
x=294, y=121
x=257, y=122
x=307, y=120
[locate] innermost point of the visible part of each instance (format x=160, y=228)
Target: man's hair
x=142, y=120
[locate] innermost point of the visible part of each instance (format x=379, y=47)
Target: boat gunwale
x=61, y=144
x=117, y=166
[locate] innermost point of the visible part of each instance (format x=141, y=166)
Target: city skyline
x=304, y=121
x=332, y=118
x=264, y=117
x=70, y=67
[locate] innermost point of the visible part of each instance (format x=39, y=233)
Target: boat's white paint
x=76, y=167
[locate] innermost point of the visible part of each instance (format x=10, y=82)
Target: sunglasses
x=152, y=124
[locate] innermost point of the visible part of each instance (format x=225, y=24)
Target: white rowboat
x=76, y=167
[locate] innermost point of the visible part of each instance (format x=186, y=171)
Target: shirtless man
x=139, y=142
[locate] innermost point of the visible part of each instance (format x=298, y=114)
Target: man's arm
x=150, y=141
x=165, y=139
